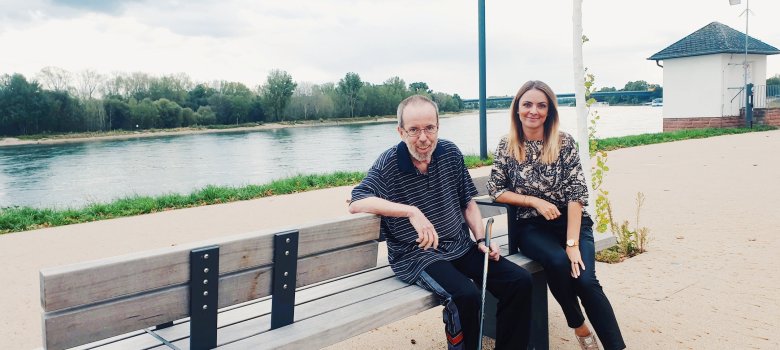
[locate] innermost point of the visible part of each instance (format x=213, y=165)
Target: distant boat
x=657, y=102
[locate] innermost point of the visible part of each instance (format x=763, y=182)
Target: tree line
x=639, y=85
x=58, y=101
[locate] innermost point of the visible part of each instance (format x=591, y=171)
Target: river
x=77, y=174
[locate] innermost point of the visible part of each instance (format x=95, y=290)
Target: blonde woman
x=537, y=168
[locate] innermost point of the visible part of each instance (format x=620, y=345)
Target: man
x=423, y=192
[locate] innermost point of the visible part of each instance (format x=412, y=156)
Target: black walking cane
x=488, y=233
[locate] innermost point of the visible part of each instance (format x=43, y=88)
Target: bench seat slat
x=261, y=308
x=133, y=340
x=253, y=318
x=309, y=309
x=331, y=327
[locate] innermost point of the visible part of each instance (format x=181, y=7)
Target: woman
x=537, y=169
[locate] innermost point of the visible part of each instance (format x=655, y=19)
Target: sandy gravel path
x=706, y=283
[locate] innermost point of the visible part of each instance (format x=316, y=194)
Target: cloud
x=222, y=19
x=320, y=41
x=112, y=7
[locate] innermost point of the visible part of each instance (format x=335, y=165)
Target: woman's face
x=533, y=107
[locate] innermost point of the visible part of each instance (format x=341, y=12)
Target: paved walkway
x=706, y=283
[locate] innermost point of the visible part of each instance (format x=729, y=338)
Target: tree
x=172, y=87
x=21, y=105
x=87, y=83
x=137, y=85
x=94, y=115
x=256, y=111
x=639, y=85
x=114, y=86
x=199, y=96
x=658, y=90
x=187, y=117
x=324, y=104
x=349, y=87
x=420, y=88
x=446, y=102
x=459, y=101
x=775, y=80
x=205, y=116
x=578, y=39
x=144, y=113
x=118, y=114
x=277, y=91
x=63, y=113
x=169, y=112
x=55, y=78
x=302, y=99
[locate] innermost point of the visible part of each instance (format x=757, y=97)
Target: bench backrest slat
x=94, y=300
x=83, y=325
x=94, y=281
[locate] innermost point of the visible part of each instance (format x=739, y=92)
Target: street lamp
x=482, y=81
x=748, y=107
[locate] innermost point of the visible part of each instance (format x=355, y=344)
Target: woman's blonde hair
x=551, y=142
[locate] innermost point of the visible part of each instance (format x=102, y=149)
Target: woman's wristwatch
x=571, y=243
x=481, y=240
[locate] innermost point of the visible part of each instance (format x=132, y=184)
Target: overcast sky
x=320, y=41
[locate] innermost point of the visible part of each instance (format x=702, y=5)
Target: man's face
x=419, y=117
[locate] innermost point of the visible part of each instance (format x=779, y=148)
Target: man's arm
x=427, y=236
x=474, y=219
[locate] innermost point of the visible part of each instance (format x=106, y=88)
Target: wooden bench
x=154, y=300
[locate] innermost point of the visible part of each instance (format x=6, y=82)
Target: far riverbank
x=120, y=135
x=125, y=134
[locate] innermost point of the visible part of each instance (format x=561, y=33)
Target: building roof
x=714, y=38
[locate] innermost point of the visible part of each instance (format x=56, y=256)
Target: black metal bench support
x=204, y=288
x=284, y=278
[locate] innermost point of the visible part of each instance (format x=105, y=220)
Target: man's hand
x=426, y=233
x=495, y=253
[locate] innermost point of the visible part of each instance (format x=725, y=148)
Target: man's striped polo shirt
x=442, y=194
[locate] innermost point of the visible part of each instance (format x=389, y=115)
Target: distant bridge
x=570, y=97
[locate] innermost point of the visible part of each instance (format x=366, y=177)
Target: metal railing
x=772, y=96
x=764, y=96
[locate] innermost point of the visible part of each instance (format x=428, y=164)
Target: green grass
x=14, y=219
x=613, y=143
x=474, y=161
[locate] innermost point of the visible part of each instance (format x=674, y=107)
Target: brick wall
x=671, y=124
x=768, y=116
x=763, y=116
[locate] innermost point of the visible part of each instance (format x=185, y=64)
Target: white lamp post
x=748, y=111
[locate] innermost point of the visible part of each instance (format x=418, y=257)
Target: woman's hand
x=576, y=261
x=545, y=208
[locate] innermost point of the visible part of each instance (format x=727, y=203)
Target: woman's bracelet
x=481, y=240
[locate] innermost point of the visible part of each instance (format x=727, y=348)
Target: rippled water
x=75, y=174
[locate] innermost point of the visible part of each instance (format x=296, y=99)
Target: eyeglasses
x=429, y=130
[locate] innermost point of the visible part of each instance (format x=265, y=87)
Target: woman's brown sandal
x=588, y=342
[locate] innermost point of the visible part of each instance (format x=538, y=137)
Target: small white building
x=704, y=73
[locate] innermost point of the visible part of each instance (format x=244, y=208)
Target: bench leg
x=540, y=329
